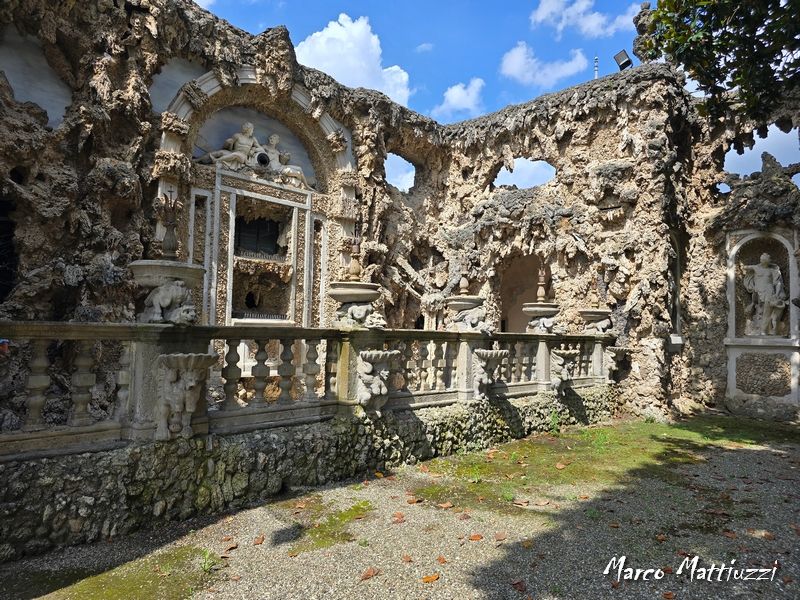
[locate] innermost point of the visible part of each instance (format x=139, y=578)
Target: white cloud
x=399, y=172
x=205, y=3
x=461, y=99
x=349, y=52
x=527, y=173
x=578, y=14
x=426, y=47
x=520, y=64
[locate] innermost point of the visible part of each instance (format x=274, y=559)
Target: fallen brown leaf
x=499, y=536
x=406, y=558
x=368, y=573
x=521, y=502
x=614, y=584
x=399, y=515
x=583, y=497
x=430, y=578
x=233, y=546
x=292, y=554
x=728, y=534
x=236, y=578
x=768, y=536
x=227, y=538
x=543, y=503
x=442, y=560
x=357, y=517
x=667, y=570
x=446, y=505
x=614, y=525
x=560, y=466
x=519, y=585
x=398, y=521
x=423, y=468
x=303, y=505
x=527, y=544
x=413, y=500
x=787, y=580
x=258, y=541
x=669, y=595
x=663, y=538
x=464, y=517
x=476, y=537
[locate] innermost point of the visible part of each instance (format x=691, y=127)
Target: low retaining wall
x=78, y=498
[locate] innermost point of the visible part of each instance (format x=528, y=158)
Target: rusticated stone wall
x=74, y=499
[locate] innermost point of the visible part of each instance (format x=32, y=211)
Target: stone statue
x=170, y=302
x=562, y=366
x=545, y=325
x=243, y=149
x=237, y=151
x=372, y=370
x=180, y=391
x=764, y=283
x=472, y=319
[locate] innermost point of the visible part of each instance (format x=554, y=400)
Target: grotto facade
x=125, y=115
x=127, y=123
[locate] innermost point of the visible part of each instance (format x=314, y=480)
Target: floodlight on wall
x=623, y=60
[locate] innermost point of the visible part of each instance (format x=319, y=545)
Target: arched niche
x=748, y=251
x=225, y=122
x=519, y=284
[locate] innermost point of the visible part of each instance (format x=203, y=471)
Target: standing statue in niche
x=242, y=149
x=764, y=283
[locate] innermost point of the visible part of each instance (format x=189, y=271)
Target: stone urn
x=169, y=281
x=467, y=311
x=355, y=298
x=596, y=319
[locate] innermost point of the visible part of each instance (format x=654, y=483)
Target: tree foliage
x=744, y=54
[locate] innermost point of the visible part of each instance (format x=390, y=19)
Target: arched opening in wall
x=785, y=147
x=527, y=173
x=399, y=172
x=172, y=77
x=519, y=286
x=8, y=258
x=26, y=69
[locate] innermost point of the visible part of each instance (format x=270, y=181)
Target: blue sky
x=453, y=60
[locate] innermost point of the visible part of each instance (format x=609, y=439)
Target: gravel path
x=383, y=539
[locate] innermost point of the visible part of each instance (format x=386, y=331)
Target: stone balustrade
x=264, y=377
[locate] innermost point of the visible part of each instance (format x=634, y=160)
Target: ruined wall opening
x=8, y=258
x=518, y=286
x=527, y=173
x=399, y=172
x=783, y=146
x=26, y=69
x=169, y=81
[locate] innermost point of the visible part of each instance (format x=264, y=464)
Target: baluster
x=391, y=381
x=286, y=370
x=438, y=365
x=409, y=365
x=37, y=382
x=331, y=367
x=231, y=373
x=512, y=363
x=260, y=373
x=451, y=349
x=424, y=364
x=82, y=380
x=311, y=370
x=528, y=366
x=123, y=381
